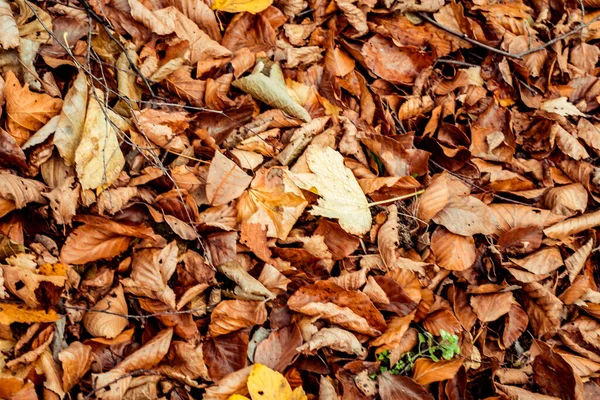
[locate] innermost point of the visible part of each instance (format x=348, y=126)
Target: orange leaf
x=427, y=371
x=27, y=111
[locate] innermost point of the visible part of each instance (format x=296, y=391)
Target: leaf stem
x=403, y=197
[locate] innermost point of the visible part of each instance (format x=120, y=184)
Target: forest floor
x=332, y=199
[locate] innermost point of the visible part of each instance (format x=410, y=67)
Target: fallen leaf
x=232, y=315
x=235, y=6
x=334, y=339
x=427, y=371
x=10, y=313
x=71, y=120
x=225, y=181
x=453, y=252
x=76, y=360
x=490, y=307
x=266, y=84
x=225, y=355
x=274, y=200
x=397, y=387
x=349, y=309
x=276, y=351
x=9, y=26
x=561, y=106
x=20, y=191
x=112, y=323
x=341, y=195
x=26, y=111
x=98, y=157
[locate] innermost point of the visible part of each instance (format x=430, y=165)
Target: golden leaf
x=10, y=313
x=236, y=6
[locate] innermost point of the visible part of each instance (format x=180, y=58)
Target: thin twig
x=518, y=56
x=465, y=37
x=455, y=62
x=483, y=190
x=559, y=38
x=399, y=198
x=102, y=22
x=137, y=317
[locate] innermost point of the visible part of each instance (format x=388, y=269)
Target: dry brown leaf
x=27, y=111
x=10, y=313
x=576, y=261
x=427, y=371
x=541, y=262
x=515, y=323
x=278, y=351
x=89, y=243
x=544, y=309
x=255, y=237
x=182, y=229
x=246, y=282
x=225, y=181
x=453, y=252
x=567, y=200
x=437, y=195
x=151, y=270
x=111, y=324
x=64, y=200
x=232, y=315
x=396, y=65
x=490, y=307
x=349, y=309
x=76, y=360
x=467, y=215
x=20, y=191
x=573, y=225
x=116, y=381
x=393, y=387
x=272, y=199
x=335, y=339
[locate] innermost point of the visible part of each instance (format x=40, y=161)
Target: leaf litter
x=248, y=199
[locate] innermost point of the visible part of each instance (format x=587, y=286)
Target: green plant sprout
x=446, y=349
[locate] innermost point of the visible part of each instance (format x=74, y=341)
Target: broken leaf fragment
x=341, y=195
x=266, y=83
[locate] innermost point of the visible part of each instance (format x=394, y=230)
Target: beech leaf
x=341, y=195
x=266, y=84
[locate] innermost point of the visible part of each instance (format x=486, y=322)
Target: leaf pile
x=289, y=199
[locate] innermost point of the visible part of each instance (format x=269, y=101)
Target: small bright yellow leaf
x=236, y=6
x=10, y=313
x=266, y=384
x=237, y=397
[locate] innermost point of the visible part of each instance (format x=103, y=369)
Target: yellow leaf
x=237, y=397
x=298, y=394
x=341, y=195
x=10, y=313
x=266, y=384
x=98, y=157
x=235, y=6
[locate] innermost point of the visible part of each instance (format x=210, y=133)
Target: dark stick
x=466, y=38
x=517, y=56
